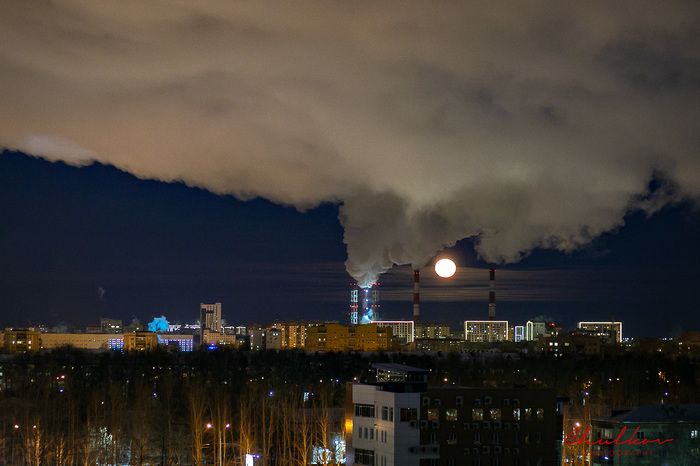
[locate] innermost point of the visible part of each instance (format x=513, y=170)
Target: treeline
x=72, y=407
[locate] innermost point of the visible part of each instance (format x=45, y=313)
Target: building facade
x=335, y=337
x=644, y=436
x=399, y=420
x=210, y=317
x=403, y=331
x=427, y=329
x=577, y=345
x=140, y=341
x=22, y=340
x=607, y=331
x=486, y=331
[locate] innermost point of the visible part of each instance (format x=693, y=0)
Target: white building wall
x=392, y=439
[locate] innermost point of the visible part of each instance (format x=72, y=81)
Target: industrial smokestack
x=416, y=295
x=492, y=294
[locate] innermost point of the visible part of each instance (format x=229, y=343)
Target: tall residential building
x=611, y=331
x=431, y=329
x=402, y=330
x=486, y=331
x=293, y=332
x=535, y=330
x=519, y=333
x=210, y=318
x=400, y=421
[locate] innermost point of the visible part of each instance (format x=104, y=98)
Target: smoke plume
x=523, y=125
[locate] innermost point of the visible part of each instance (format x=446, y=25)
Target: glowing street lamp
x=222, y=440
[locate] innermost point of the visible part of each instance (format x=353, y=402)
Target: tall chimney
x=416, y=295
x=492, y=294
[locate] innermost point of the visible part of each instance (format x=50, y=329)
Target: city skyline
x=266, y=156
x=122, y=274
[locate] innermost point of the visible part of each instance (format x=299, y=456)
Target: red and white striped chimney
x=416, y=295
x=492, y=294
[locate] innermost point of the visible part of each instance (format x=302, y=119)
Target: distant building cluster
x=108, y=335
x=366, y=332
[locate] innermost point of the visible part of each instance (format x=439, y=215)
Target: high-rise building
x=432, y=329
x=486, y=331
x=210, y=318
x=535, y=330
x=402, y=330
x=519, y=333
x=611, y=331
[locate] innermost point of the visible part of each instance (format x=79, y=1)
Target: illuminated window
x=527, y=413
x=693, y=434
x=516, y=414
x=540, y=414
x=451, y=414
x=433, y=414
x=495, y=414
x=477, y=414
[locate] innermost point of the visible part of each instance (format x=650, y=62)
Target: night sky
x=265, y=155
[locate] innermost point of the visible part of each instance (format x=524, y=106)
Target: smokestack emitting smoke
x=509, y=143
x=416, y=295
x=492, y=294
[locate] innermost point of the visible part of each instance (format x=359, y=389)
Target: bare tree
x=197, y=415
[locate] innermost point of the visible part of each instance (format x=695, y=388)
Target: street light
x=222, y=440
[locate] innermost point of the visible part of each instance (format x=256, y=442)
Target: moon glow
x=445, y=268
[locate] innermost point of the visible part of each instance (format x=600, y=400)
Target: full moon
x=445, y=268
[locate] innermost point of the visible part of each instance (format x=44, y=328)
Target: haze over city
x=267, y=155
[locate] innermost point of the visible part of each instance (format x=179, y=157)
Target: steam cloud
x=524, y=125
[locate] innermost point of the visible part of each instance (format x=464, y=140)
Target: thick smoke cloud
x=526, y=124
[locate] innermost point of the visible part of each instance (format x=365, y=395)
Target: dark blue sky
x=398, y=129
x=161, y=248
